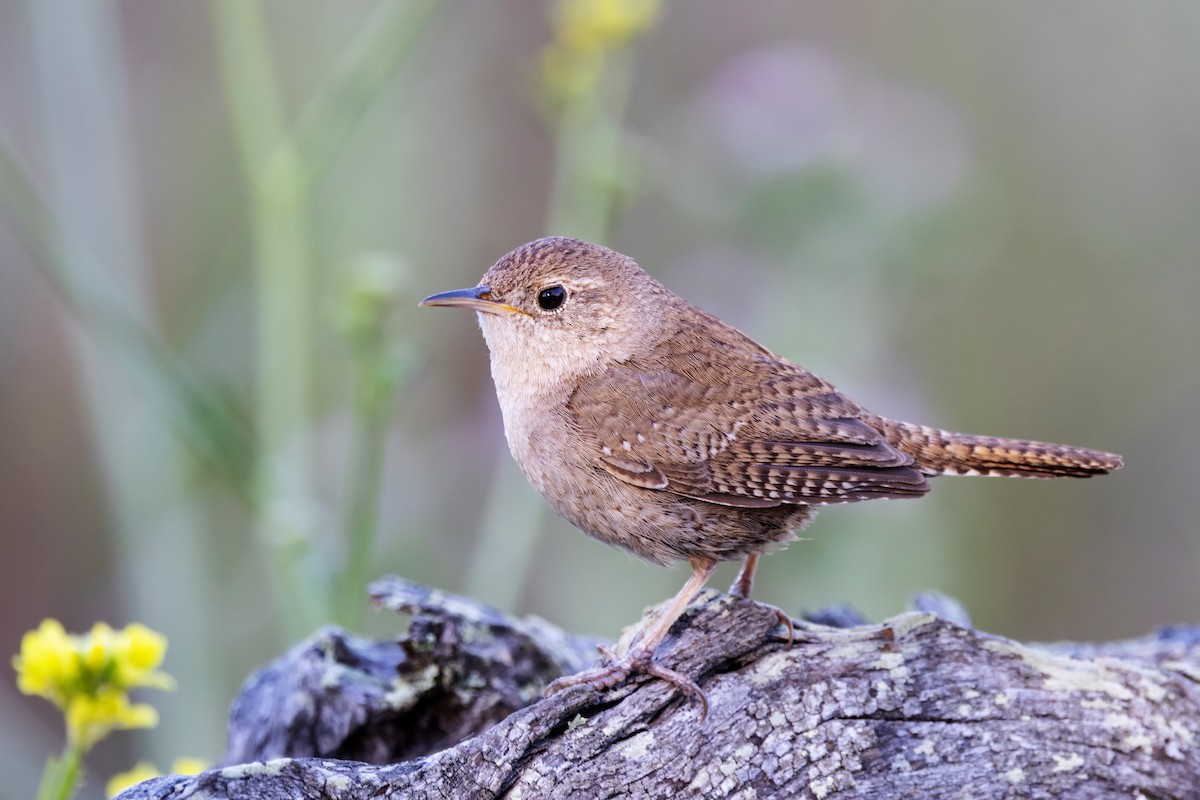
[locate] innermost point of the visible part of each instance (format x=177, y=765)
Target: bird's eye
x=551, y=297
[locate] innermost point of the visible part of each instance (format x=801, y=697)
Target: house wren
x=653, y=426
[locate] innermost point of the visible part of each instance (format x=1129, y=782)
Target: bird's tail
x=940, y=452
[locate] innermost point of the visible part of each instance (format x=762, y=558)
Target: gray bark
x=916, y=707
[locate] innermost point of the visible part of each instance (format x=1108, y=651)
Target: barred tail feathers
x=939, y=452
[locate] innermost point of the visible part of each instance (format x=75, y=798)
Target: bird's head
x=558, y=308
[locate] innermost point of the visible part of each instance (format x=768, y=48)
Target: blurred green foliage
x=221, y=412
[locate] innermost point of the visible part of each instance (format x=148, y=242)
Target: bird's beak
x=478, y=298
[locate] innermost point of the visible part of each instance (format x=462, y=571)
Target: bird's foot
x=744, y=584
x=638, y=660
x=784, y=619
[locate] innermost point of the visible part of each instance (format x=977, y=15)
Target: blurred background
x=221, y=412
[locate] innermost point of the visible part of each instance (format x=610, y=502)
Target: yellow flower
x=584, y=32
x=46, y=662
x=592, y=25
x=88, y=677
x=188, y=766
x=142, y=771
x=91, y=717
x=137, y=654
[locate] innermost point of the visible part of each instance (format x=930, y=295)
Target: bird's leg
x=745, y=582
x=640, y=657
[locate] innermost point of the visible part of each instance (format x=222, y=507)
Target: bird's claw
x=786, y=620
x=618, y=669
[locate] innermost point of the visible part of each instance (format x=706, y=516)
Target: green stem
x=61, y=775
x=278, y=183
x=374, y=393
x=368, y=65
x=281, y=165
x=587, y=171
x=74, y=762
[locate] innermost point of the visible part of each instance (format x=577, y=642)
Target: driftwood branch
x=915, y=707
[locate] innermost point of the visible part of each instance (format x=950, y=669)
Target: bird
x=653, y=426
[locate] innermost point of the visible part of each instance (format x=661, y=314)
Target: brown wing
x=794, y=439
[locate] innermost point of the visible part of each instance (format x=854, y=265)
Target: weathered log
x=915, y=707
